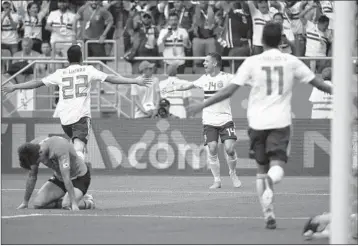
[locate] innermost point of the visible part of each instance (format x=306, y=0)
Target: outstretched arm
x=221, y=95
x=182, y=87
x=321, y=85
x=30, y=186
x=33, y=84
x=118, y=79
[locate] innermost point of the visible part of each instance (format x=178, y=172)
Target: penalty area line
x=150, y=216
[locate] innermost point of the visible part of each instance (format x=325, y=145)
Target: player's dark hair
x=323, y=19
x=28, y=155
x=172, y=14
x=271, y=35
x=74, y=54
x=217, y=58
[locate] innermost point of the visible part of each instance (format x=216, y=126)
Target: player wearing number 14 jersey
x=217, y=119
x=271, y=76
x=74, y=106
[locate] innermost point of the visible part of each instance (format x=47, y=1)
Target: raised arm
x=30, y=186
x=64, y=163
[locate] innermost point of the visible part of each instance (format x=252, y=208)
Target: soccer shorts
x=79, y=130
x=212, y=133
x=267, y=145
x=82, y=183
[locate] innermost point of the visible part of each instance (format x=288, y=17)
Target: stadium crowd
x=169, y=29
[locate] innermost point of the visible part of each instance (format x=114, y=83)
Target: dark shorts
x=267, y=145
x=82, y=183
x=212, y=133
x=79, y=130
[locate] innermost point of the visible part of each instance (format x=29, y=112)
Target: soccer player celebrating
x=271, y=76
x=217, y=119
x=74, y=106
x=68, y=187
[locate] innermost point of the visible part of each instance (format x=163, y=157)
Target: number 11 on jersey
x=270, y=79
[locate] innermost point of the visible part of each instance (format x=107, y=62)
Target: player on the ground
x=68, y=186
x=271, y=76
x=74, y=106
x=217, y=119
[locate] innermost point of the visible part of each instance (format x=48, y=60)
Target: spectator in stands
x=236, y=32
x=172, y=42
x=164, y=110
x=96, y=22
x=177, y=99
x=43, y=69
x=184, y=11
x=115, y=8
x=60, y=24
x=327, y=9
x=292, y=13
x=9, y=24
x=146, y=98
x=288, y=40
x=319, y=39
x=33, y=23
x=203, y=26
x=26, y=53
x=140, y=40
x=260, y=14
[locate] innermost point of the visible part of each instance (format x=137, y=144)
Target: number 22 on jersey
x=274, y=75
x=75, y=87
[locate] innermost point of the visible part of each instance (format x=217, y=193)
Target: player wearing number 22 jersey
x=271, y=76
x=217, y=119
x=74, y=106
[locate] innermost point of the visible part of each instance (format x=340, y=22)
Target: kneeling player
x=68, y=187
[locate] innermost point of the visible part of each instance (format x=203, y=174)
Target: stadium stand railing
x=112, y=98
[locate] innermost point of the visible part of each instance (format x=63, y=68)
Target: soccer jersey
x=75, y=87
x=53, y=149
x=271, y=76
x=220, y=113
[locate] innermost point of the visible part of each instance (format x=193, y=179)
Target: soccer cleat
x=271, y=223
x=216, y=185
x=235, y=180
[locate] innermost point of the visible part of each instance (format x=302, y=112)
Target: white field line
x=148, y=216
x=189, y=192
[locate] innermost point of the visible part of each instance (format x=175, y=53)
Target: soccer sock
x=231, y=162
x=214, y=165
x=54, y=204
x=276, y=174
x=260, y=186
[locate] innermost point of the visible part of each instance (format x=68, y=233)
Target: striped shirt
x=8, y=32
x=321, y=104
x=317, y=41
x=296, y=24
x=174, y=45
x=220, y=113
x=259, y=20
x=62, y=25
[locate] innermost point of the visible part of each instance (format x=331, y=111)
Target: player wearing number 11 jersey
x=74, y=106
x=271, y=76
